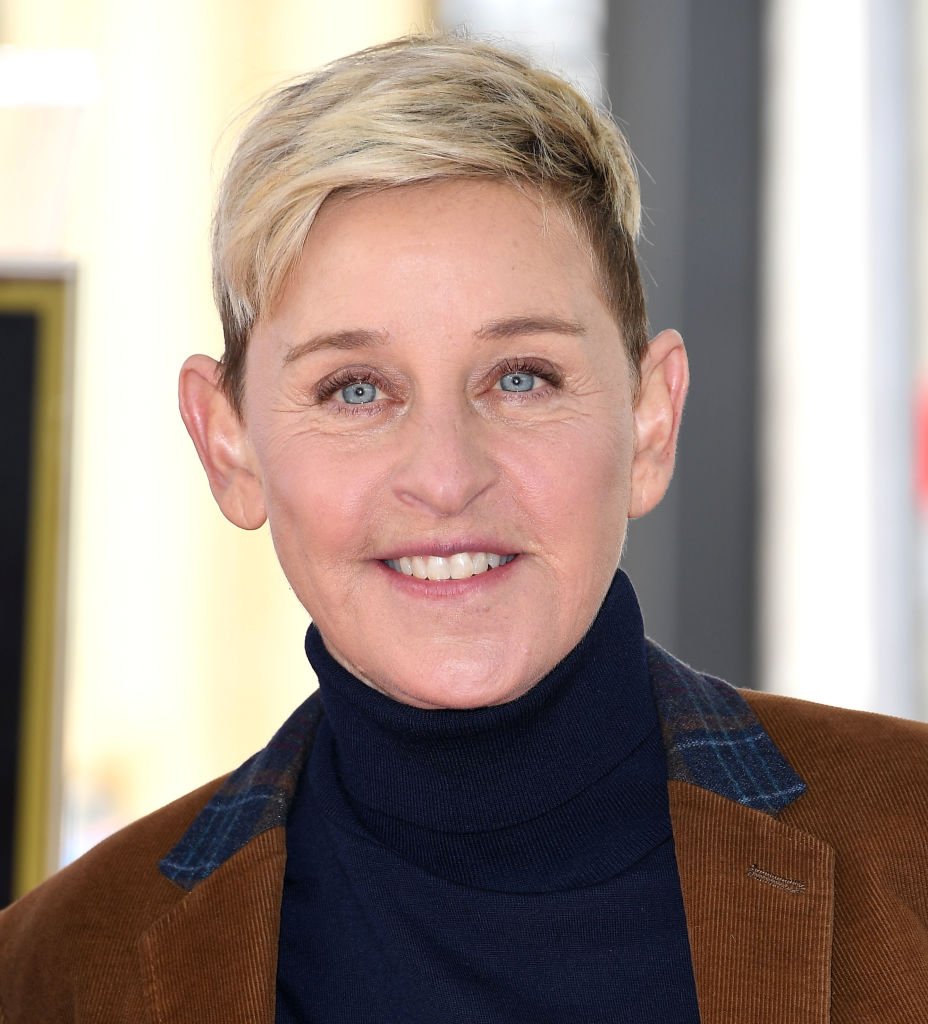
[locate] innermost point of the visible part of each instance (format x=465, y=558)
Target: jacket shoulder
x=65, y=941
x=866, y=781
x=836, y=745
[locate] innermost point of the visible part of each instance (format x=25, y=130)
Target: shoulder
x=839, y=744
x=128, y=857
x=91, y=913
x=866, y=779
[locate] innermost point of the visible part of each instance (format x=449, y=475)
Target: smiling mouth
x=455, y=567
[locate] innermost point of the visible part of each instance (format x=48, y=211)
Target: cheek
x=321, y=504
x=577, y=479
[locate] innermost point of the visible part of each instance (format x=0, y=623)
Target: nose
x=446, y=460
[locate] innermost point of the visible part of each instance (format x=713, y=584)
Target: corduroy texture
x=222, y=930
x=868, y=799
x=110, y=940
x=760, y=946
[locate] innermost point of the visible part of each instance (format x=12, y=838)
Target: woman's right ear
x=221, y=440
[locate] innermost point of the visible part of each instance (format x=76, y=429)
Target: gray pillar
x=685, y=80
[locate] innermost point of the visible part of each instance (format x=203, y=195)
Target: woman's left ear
x=665, y=378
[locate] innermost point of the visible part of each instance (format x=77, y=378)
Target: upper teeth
x=455, y=567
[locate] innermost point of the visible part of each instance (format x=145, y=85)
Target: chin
x=450, y=700
x=459, y=691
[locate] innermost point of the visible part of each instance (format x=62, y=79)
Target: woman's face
x=441, y=388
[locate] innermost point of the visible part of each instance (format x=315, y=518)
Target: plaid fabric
x=253, y=799
x=712, y=737
x=714, y=740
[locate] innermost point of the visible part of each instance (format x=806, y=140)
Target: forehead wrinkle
x=517, y=326
x=345, y=341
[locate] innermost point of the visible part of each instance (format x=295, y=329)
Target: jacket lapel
x=213, y=957
x=759, y=897
x=758, y=893
x=225, y=930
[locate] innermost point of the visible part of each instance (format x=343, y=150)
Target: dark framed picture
x=35, y=427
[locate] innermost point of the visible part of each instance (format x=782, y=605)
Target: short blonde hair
x=418, y=109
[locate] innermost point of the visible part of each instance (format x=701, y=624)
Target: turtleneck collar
x=478, y=794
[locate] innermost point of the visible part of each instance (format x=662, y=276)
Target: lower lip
x=439, y=589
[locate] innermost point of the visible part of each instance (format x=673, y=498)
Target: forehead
x=441, y=241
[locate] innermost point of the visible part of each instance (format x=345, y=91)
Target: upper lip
x=444, y=549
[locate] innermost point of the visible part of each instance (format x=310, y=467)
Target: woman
x=505, y=804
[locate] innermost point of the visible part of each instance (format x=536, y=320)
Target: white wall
x=838, y=531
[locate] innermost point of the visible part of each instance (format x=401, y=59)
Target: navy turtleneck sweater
x=510, y=864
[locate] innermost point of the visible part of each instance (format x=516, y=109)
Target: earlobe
x=221, y=441
x=664, y=383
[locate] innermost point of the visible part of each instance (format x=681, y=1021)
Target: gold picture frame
x=44, y=293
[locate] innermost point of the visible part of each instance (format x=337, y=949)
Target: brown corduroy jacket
x=801, y=834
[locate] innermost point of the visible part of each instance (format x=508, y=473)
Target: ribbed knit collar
x=565, y=785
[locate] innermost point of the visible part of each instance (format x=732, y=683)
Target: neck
x=525, y=793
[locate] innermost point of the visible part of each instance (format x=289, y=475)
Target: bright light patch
x=47, y=78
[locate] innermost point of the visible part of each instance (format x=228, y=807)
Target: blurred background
x=783, y=149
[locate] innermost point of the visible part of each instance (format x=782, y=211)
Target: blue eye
x=520, y=381
x=359, y=393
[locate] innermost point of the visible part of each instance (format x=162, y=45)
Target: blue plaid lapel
x=713, y=740
x=254, y=798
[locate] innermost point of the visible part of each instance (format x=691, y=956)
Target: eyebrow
x=504, y=327
x=351, y=338
x=516, y=326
